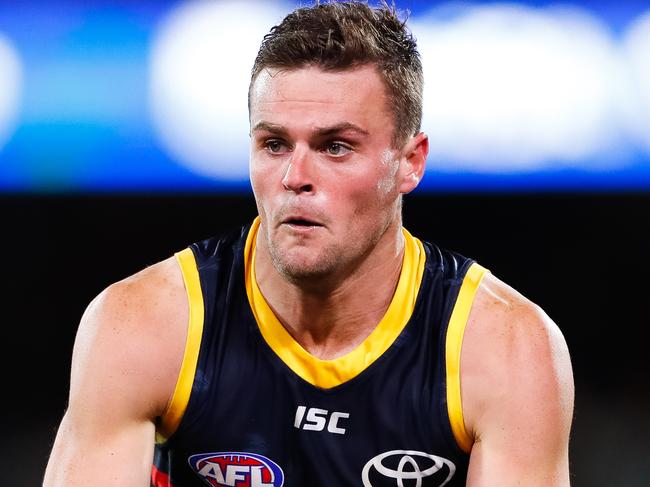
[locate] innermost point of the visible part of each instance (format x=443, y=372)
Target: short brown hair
x=336, y=36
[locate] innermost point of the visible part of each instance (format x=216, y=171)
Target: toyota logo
x=409, y=467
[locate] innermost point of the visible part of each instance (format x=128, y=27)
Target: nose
x=298, y=177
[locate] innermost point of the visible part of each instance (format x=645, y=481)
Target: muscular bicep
x=86, y=455
x=526, y=443
x=125, y=362
x=519, y=393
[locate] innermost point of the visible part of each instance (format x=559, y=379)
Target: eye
x=337, y=149
x=275, y=146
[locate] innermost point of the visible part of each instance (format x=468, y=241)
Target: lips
x=301, y=221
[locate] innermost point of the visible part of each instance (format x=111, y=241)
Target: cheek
x=266, y=171
x=260, y=177
x=366, y=199
x=386, y=186
x=260, y=188
x=387, y=183
x=375, y=205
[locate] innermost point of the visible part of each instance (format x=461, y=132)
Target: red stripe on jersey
x=159, y=479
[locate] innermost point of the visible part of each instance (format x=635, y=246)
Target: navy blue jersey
x=252, y=408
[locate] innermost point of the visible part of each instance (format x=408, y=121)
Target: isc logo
x=316, y=419
x=237, y=469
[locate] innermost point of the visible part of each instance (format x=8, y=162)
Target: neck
x=350, y=305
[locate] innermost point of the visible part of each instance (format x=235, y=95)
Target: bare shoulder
x=515, y=368
x=147, y=301
x=131, y=339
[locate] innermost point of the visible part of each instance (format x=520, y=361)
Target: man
x=326, y=346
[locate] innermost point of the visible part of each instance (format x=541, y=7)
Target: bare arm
x=125, y=363
x=517, y=390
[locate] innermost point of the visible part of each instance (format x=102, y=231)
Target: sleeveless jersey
x=252, y=408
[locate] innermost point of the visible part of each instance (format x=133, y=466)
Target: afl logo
x=236, y=469
x=418, y=468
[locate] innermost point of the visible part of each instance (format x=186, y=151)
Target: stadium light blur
x=10, y=88
x=151, y=96
x=515, y=88
x=637, y=52
x=199, y=82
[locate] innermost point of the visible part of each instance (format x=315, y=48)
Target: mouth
x=301, y=222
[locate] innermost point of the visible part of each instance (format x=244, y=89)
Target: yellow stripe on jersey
x=176, y=408
x=453, y=346
x=331, y=373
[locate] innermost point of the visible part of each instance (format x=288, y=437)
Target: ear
x=413, y=162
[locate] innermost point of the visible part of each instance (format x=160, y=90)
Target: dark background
x=583, y=258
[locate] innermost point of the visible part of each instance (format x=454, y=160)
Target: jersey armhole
x=172, y=416
x=453, y=347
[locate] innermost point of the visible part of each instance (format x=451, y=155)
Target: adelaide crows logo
x=237, y=469
x=408, y=468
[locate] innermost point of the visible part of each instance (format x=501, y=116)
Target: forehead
x=313, y=96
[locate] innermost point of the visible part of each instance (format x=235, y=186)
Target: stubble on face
x=340, y=246
x=313, y=266
x=300, y=270
x=307, y=265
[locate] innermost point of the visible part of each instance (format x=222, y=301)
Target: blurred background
x=124, y=137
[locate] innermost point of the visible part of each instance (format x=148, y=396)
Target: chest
x=251, y=420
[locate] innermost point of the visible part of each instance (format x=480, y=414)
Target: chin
x=298, y=266
x=297, y=271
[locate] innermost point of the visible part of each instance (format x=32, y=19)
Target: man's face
x=324, y=174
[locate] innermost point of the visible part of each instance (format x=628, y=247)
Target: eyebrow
x=269, y=127
x=319, y=132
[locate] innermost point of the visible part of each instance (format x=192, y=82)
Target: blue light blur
x=84, y=122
